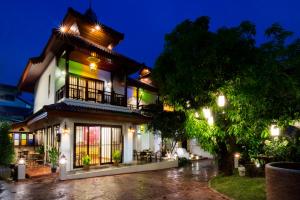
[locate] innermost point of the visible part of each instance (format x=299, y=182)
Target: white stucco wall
x=41, y=97
x=195, y=148
x=146, y=140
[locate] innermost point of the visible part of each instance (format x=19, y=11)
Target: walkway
x=181, y=183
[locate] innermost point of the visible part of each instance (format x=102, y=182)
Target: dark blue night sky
x=26, y=25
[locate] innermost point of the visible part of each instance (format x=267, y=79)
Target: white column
x=128, y=144
x=66, y=144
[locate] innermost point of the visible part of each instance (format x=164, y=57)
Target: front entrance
x=97, y=141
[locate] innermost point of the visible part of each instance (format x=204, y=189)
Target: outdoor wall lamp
x=65, y=130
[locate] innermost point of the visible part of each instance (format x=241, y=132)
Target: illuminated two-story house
x=85, y=99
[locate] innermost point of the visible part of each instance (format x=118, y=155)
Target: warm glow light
x=93, y=66
x=221, y=101
x=65, y=129
x=188, y=104
x=257, y=164
x=110, y=47
x=21, y=161
x=196, y=114
x=175, y=156
x=197, y=157
x=63, y=29
x=275, y=131
x=63, y=160
x=210, y=120
x=237, y=155
x=207, y=113
x=97, y=27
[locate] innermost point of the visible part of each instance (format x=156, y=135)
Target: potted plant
x=86, y=160
x=53, y=157
x=116, y=157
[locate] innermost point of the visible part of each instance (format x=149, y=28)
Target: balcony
x=98, y=96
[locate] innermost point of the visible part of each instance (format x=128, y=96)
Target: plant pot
x=283, y=180
x=242, y=171
x=86, y=167
x=116, y=164
x=251, y=170
x=53, y=169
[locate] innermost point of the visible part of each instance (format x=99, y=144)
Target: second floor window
x=86, y=89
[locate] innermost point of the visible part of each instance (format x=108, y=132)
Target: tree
x=170, y=125
x=259, y=81
x=6, y=145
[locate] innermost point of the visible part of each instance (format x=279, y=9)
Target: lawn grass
x=240, y=188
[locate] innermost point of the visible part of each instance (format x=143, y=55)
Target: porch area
x=113, y=170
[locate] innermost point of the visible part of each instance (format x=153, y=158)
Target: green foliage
x=260, y=82
x=283, y=149
x=86, y=160
x=6, y=144
x=116, y=156
x=53, y=156
x=243, y=188
x=171, y=125
x=40, y=149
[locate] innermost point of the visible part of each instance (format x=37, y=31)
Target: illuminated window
x=16, y=139
x=23, y=139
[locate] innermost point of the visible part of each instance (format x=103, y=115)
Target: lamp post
x=63, y=168
x=21, y=168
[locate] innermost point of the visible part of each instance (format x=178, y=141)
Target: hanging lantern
x=93, y=61
x=206, y=113
x=275, y=131
x=221, y=101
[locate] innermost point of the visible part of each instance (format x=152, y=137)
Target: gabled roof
x=64, y=109
x=58, y=42
x=86, y=21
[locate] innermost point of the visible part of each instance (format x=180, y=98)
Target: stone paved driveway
x=182, y=183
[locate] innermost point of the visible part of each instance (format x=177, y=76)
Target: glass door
x=106, y=145
x=99, y=142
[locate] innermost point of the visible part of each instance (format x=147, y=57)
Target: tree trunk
x=226, y=156
x=184, y=144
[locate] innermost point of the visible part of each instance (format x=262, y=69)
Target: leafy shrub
x=117, y=156
x=283, y=149
x=53, y=156
x=86, y=160
x=6, y=145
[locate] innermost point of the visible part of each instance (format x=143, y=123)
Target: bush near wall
x=6, y=145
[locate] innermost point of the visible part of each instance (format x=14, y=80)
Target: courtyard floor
x=189, y=182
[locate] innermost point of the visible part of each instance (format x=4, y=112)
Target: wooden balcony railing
x=98, y=96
